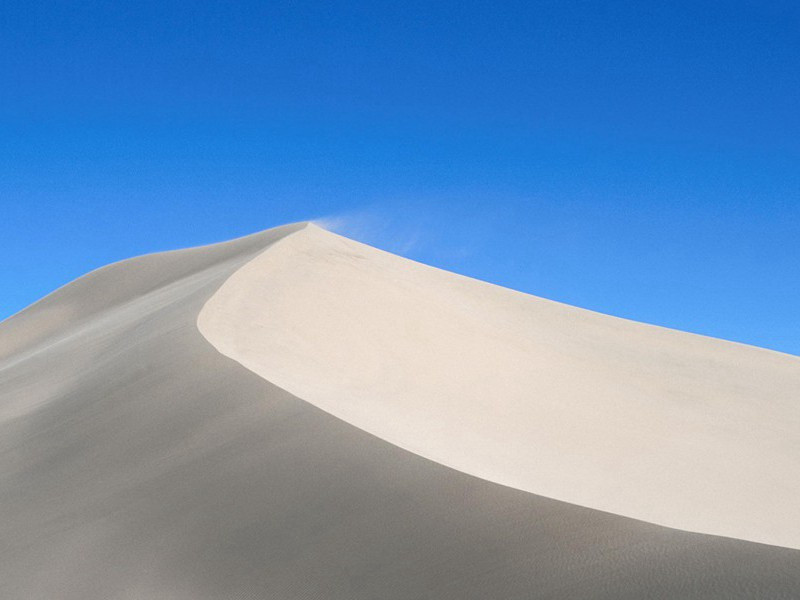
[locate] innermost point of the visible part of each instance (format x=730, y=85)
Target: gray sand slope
x=138, y=462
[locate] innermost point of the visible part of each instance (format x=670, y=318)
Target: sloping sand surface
x=664, y=426
x=137, y=462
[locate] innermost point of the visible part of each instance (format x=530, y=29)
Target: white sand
x=673, y=428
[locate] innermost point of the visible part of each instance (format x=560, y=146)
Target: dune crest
x=664, y=426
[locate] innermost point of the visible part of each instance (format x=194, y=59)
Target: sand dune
x=136, y=461
x=672, y=428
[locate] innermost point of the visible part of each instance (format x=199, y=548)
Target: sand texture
x=137, y=461
x=673, y=428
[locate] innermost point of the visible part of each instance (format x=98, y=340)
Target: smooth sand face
x=137, y=462
x=672, y=428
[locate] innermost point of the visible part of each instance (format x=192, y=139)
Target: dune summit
x=295, y=415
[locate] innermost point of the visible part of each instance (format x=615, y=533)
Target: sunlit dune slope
x=664, y=426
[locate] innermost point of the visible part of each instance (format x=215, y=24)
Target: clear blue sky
x=638, y=158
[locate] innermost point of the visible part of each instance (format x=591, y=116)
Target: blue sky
x=637, y=158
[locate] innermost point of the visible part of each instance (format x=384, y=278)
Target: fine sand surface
x=668, y=427
x=137, y=462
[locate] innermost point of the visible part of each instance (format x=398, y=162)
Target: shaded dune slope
x=138, y=462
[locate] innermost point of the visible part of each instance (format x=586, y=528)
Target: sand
x=136, y=461
x=660, y=425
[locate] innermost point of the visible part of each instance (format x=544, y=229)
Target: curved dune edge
x=663, y=426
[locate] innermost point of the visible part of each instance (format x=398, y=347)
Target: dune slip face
x=138, y=462
x=668, y=427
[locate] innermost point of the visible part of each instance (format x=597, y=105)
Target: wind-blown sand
x=664, y=426
x=136, y=461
